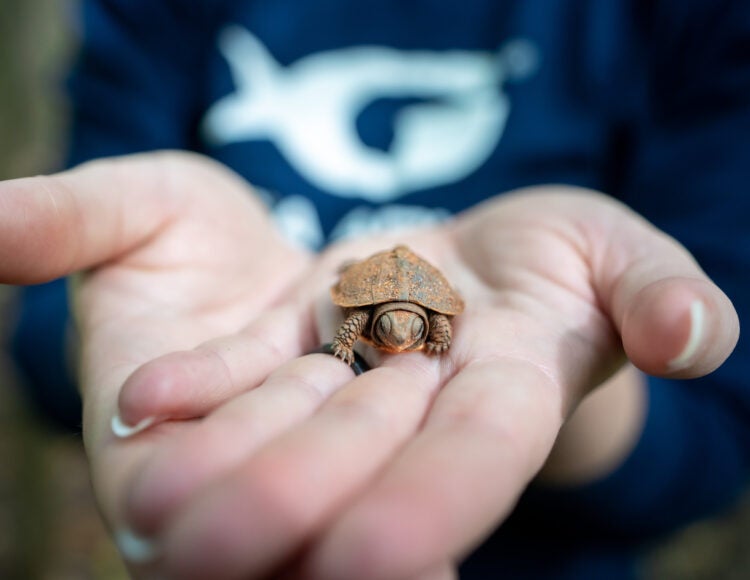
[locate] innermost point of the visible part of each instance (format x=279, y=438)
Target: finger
x=672, y=318
x=229, y=436
x=679, y=327
x=486, y=436
x=261, y=515
x=440, y=572
x=54, y=225
x=188, y=384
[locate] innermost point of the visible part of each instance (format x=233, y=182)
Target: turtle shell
x=396, y=275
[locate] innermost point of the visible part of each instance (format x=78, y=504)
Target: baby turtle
x=396, y=301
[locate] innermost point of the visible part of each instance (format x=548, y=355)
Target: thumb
x=54, y=225
x=673, y=320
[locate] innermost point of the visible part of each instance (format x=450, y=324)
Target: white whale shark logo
x=309, y=110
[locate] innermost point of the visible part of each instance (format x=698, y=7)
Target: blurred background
x=49, y=526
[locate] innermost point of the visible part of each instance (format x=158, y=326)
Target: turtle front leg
x=350, y=331
x=439, y=339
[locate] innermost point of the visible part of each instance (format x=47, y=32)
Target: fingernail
x=123, y=430
x=697, y=328
x=135, y=548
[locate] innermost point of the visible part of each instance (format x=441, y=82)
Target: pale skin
x=193, y=312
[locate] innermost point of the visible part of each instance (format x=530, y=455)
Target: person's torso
x=351, y=117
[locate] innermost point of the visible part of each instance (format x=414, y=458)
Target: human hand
x=174, y=250
x=401, y=471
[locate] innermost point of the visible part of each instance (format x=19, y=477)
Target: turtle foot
x=344, y=353
x=436, y=348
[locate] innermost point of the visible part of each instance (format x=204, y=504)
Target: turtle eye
x=384, y=326
x=417, y=328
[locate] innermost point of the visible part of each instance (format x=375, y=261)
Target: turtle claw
x=435, y=348
x=345, y=354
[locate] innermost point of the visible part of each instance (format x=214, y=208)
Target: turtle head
x=399, y=326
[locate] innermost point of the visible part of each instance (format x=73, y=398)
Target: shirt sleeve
x=688, y=171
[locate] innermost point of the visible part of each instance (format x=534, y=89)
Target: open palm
x=262, y=460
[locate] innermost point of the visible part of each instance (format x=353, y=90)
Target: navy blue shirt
x=354, y=116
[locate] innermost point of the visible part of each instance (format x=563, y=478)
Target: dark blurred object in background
x=35, y=48
x=49, y=524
